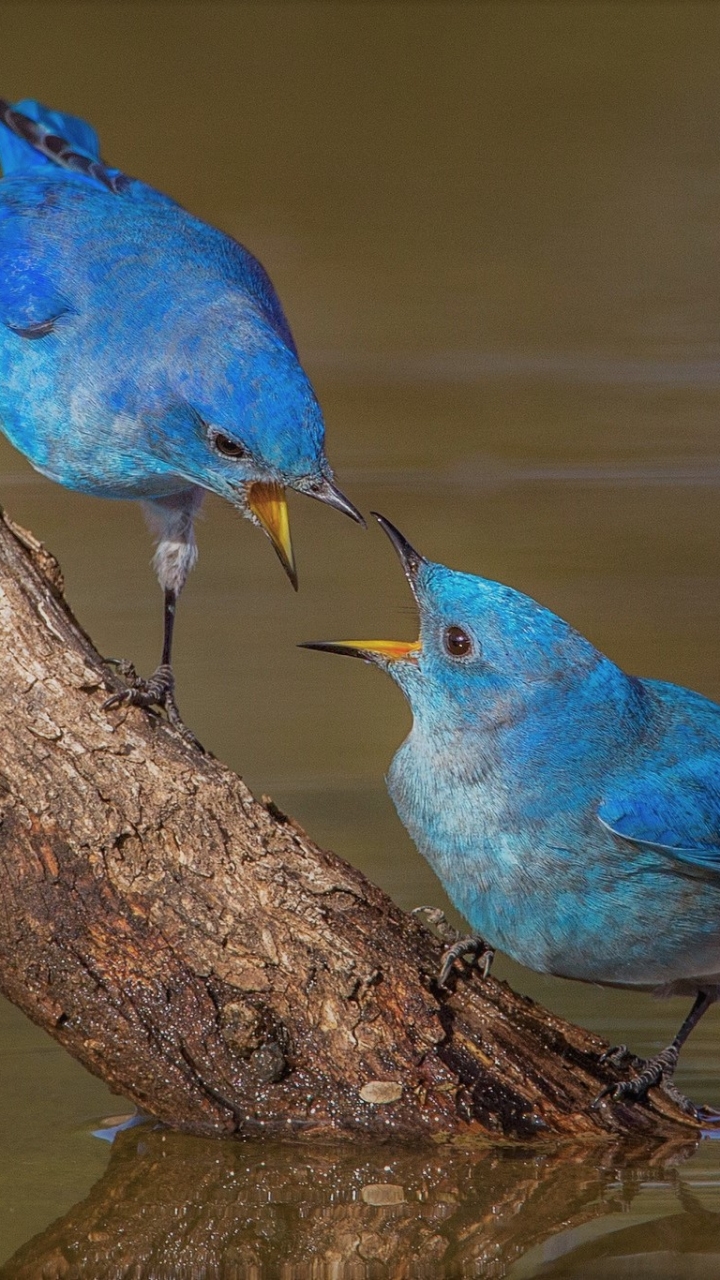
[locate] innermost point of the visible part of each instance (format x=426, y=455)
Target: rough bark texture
x=170, y=1208
x=196, y=950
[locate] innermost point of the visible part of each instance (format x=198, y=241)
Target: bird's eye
x=227, y=447
x=457, y=642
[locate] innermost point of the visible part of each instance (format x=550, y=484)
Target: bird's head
x=245, y=423
x=485, y=652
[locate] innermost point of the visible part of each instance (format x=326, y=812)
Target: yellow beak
x=267, y=502
x=370, y=650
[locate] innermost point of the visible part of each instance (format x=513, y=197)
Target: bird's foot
x=471, y=945
x=468, y=945
x=157, y=691
x=653, y=1071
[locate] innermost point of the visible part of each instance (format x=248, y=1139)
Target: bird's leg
x=159, y=689
x=469, y=944
x=171, y=519
x=660, y=1069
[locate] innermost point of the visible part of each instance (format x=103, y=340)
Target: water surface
x=494, y=227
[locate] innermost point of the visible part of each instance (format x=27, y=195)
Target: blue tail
x=34, y=137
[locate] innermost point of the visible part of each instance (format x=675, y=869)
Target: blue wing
x=34, y=137
x=674, y=811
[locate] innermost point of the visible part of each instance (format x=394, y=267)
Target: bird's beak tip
x=268, y=504
x=410, y=559
x=329, y=493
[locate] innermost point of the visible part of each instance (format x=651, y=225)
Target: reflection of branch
x=180, y=1207
x=197, y=951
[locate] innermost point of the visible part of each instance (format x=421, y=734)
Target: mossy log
x=195, y=949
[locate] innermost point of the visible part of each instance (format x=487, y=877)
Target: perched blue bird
x=145, y=354
x=571, y=811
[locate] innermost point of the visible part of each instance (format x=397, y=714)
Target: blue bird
x=145, y=355
x=571, y=811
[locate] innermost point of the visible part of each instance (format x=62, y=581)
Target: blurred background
x=494, y=227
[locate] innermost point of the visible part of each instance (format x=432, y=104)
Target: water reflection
x=494, y=227
x=171, y=1206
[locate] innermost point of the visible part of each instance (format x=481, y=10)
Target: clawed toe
x=618, y=1056
x=157, y=691
x=154, y=692
x=703, y=1115
x=434, y=918
x=635, y=1088
x=655, y=1071
x=470, y=945
x=482, y=957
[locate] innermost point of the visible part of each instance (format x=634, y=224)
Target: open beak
x=268, y=503
x=382, y=651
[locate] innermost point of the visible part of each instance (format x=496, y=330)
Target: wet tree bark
x=197, y=951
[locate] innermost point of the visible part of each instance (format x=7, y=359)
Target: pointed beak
x=377, y=651
x=410, y=559
x=382, y=652
x=328, y=493
x=268, y=504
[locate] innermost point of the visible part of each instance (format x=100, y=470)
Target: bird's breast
x=547, y=885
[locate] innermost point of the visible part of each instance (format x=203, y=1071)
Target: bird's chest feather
x=528, y=864
x=465, y=817
x=516, y=856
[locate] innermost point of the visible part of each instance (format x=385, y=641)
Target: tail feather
x=35, y=136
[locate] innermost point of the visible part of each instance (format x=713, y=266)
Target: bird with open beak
x=571, y=811
x=145, y=354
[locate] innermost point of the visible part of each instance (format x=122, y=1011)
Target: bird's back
x=102, y=290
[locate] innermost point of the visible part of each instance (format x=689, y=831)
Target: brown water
x=495, y=230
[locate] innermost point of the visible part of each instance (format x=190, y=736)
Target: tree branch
x=197, y=951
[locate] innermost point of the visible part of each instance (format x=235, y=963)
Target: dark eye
x=457, y=642
x=227, y=447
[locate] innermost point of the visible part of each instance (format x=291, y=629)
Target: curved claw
x=158, y=691
x=655, y=1071
x=123, y=698
x=607, y=1091
x=482, y=954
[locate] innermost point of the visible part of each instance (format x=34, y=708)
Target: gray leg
x=171, y=519
x=660, y=1069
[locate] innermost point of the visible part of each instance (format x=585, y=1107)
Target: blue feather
x=675, y=812
x=571, y=811
x=143, y=353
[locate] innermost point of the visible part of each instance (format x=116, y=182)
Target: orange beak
x=382, y=651
x=268, y=504
x=370, y=650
